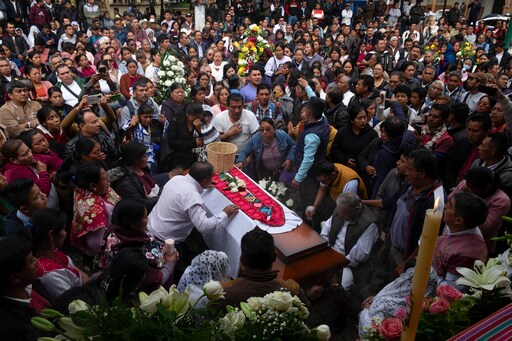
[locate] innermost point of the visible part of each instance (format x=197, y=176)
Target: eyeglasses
x=108, y=60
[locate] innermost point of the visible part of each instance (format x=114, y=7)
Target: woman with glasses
x=269, y=152
x=109, y=60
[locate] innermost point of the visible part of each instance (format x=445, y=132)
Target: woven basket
x=221, y=155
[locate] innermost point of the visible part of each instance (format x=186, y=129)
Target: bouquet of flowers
x=172, y=70
x=450, y=311
x=278, y=190
x=252, y=47
x=276, y=316
x=466, y=51
x=169, y=315
x=233, y=182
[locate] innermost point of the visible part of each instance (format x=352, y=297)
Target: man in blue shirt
x=250, y=89
x=310, y=151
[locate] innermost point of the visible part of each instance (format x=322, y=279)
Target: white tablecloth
x=228, y=239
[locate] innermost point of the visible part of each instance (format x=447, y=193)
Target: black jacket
x=15, y=321
x=348, y=145
x=128, y=186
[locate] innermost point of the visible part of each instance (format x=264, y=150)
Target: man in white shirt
x=352, y=232
x=236, y=125
x=180, y=209
x=281, y=25
x=346, y=15
x=71, y=88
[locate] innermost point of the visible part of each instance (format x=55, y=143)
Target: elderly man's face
x=347, y=213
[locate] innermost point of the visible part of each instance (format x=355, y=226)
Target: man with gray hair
x=352, y=231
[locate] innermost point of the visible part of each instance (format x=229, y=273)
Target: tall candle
x=422, y=270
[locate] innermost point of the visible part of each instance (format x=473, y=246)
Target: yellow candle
x=422, y=270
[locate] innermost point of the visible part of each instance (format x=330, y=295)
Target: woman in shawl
x=93, y=204
x=207, y=266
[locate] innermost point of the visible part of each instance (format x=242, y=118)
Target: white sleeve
x=326, y=229
x=197, y=215
x=351, y=186
x=361, y=251
x=269, y=67
x=253, y=122
x=58, y=281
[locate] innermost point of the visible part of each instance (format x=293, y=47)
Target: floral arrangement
x=172, y=70
x=169, y=315
x=252, y=47
x=278, y=190
x=234, y=183
x=251, y=199
x=466, y=51
x=450, y=311
x=276, y=316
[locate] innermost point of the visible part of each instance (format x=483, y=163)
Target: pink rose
x=401, y=313
x=439, y=307
x=449, y=293
x=391, y=328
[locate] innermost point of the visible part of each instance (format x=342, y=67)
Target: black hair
x=268, y=120
x=196, y=89
x=142, y=82
x=17, y=192
x=124, y=273
x=335, y=95
x=316, y=106
x=52, y=90
x=201, y=170
x=28, y=135
x=484, y=120
x=482, y=178
x=10, y=148
x=325, y=168
x=84, y=146
x=403, y=89
x=194, y=108
x=43, y=221
x=353, y=111
x=258, y=249
x=128, y=212
x=460, y=112
x=13, y=257
x=425, y=160
x=43, y=113
x=368, y=81
x=235, y=98
x=444, y=110
x=88, y=173
x=132, y=152
x=233, y=82
x=499, y=141
x=15, y=84
x=471, y=208
x=393, y=126
x=262, y=86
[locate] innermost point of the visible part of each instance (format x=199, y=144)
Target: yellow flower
x=245, y=49
x=241, y=71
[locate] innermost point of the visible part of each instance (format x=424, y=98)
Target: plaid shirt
x=455, y=95
x=151, y=141
x=260, y=113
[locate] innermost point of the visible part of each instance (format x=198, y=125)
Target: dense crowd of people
x=370, y=112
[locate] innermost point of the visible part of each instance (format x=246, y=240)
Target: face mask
x=466, y=67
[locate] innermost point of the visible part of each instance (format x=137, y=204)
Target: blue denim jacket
x=255, y=147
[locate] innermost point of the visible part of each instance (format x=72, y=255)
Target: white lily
x=482, y=277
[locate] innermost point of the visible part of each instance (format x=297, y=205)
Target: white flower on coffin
x=482, y=277
x=177, y=301
x=263, y=183
x=260, y=39
x=160, y=73
x=167, y=83
x=170, y=73
x=180, y=64
x=172, y=59
x=279, y=300
x=72, y=331
x=242, y=62
x=234, y=190
x=175, y=68
x=166, y=63
x=289, y=203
